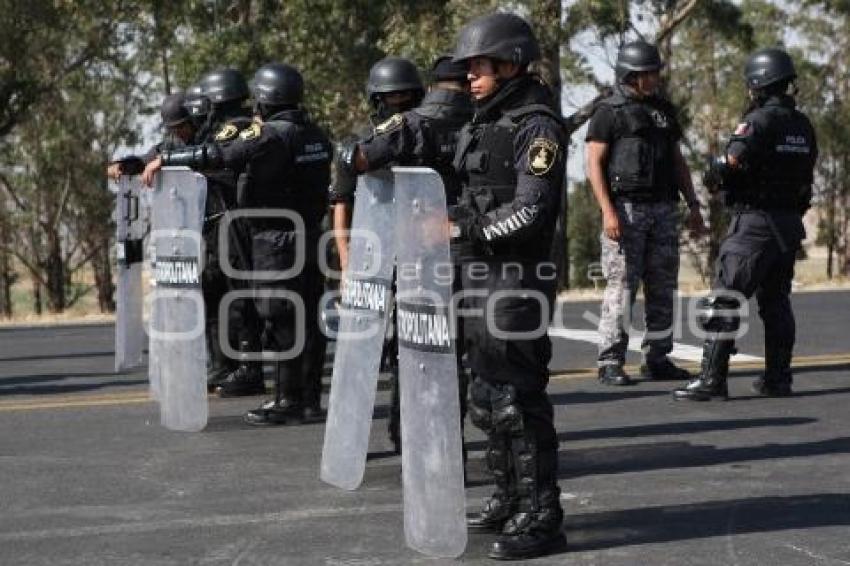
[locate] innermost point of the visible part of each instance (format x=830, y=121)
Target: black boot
x=275, y=412
x=663, y=370
x=711, y=381
x=285, y=408
x=394, y=421
x=614, y=374
x=247, y=379
x=502, y=505
x=535, y=530
x=217, y=374
x=219, y=366
x=777, y=378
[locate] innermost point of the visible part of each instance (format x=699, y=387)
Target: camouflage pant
x=647, y=251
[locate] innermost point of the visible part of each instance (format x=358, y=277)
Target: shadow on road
x=72, y=355
x=47, y=377
x=665, y=455
x=573, y=397
x=674, y=428
x=70, y=388
x=693, y=427
x=597, y=531
x=813, y=368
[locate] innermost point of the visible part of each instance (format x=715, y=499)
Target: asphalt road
x=90, y=477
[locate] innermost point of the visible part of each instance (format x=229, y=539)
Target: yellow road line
x=27, y=406
x=140, y=396
x=800, y=362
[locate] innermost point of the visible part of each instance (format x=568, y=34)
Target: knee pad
x=479, y=405
x=498, y=459
x=719, y=313
x=507, y=417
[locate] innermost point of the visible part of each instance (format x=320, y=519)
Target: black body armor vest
x=299, y=185
x=640, y=161
x=777, y=174
x=486, y=156
x=443, y=114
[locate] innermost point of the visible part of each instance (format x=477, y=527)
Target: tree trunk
x=845, y=268
x=103, y=278
x=36, y=296
x=55, y=271
x=547, y=16
x=7, y=277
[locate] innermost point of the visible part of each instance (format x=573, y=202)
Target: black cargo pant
x=508, y=297
x=757, y=257
x=242, y=320
x=290, y=323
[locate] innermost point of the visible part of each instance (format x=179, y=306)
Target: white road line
x=680, y=351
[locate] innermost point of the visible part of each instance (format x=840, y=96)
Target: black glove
x=715, y=173
x=462, y=219
x=345, y=160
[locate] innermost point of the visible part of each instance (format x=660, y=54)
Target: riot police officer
x=636, y=170
x=180, y=130
x=227, y=90
x=394, y=87
x=427, y=136
x=512, y=160
x=286, y=163
x=766, y=175
x=198, y=106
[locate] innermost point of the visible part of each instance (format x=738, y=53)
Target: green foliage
x=75, y=76
x=585, y=226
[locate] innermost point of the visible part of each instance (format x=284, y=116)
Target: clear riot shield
x=364, y=310
x=178, y=348
x=432, y=461
x=131, y=228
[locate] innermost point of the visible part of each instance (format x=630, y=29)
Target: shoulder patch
x=743, y=130
x=251, y=132
x=228, y=132
x=542, y=154
x=394, y=122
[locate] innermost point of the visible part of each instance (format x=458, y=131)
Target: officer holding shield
x=512, y=160
x=285, y=163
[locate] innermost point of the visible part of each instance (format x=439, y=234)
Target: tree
x=585, y=225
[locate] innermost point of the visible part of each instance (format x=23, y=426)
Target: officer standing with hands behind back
x=766, y=175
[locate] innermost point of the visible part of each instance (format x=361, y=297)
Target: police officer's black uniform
x=512, y=158
x=174, y=113
x=227, y=90
x=775, y=150
x=426, y=136
x=387, y=76
x=285, y=162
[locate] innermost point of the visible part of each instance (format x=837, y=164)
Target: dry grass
x=810, y=276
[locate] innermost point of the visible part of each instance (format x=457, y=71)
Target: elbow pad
x=200, y=157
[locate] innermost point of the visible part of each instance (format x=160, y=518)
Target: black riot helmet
x=769, y=66
x=173, y=110
x=393, y=74
x=635, y=57
x=196, y=103
x=500, y=36
x=444, y=69
x=224, y=85
x=278, y=84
